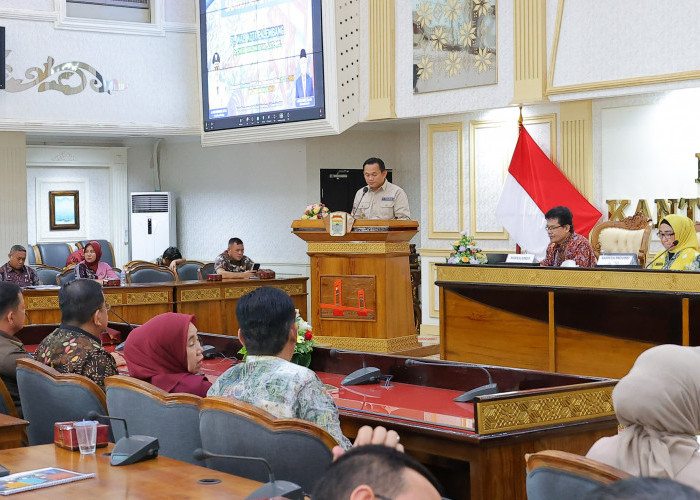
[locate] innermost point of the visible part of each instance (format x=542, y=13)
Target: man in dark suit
x=305, y=84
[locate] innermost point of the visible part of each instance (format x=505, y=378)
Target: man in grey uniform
x=380, y=199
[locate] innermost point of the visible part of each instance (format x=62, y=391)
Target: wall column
x=577, y=145
x=13, y=202
x=382, y=55
x=529, y=51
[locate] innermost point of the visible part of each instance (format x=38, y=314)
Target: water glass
x=86, y=432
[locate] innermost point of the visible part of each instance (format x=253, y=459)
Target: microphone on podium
x=129, y=449
x=675, y=242
x=364, y=375
x=364, y=192
x=273, y=488
x=483, y=390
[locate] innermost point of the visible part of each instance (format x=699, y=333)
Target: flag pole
x=520, y=120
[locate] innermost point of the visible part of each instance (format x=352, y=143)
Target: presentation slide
x=261, y=60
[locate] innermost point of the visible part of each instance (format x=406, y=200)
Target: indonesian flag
x=534, y=185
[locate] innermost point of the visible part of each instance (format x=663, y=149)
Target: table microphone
x=271, y=489
x=675, y=242
x=28, y=318
x=364, y=375
x=468, y=396
x=123, y=320
x=364, y=192
x=129, y=449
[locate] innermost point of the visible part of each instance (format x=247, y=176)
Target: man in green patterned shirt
x=268, y=379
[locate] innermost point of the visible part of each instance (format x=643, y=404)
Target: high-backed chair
x=149, y=273
x=630, y=235
x=205, y=270
x=133, y=263
x=32, y=254
x=296, y=449
x=558, y=474
x=65, y=276
x=7, y=406
x=107, y=250
x=53, y=254
x=48, y=397
x=150, y=411
x=188, y=270
x=47, y=274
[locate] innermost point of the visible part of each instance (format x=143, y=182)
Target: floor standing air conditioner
x=152, y=224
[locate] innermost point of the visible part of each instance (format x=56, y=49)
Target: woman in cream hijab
x=677, y=257
x=658, y=403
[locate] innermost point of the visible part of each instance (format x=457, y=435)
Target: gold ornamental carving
x=370, y=345
x=547, y=409
x=113, y=299
x=200, y=294
x=239, y=291
x=37, y=303
x=367, y=247
x=147, y=298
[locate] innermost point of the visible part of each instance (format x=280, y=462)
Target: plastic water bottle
x=122, y=278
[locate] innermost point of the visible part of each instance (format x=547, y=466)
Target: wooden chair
x=205, y=270
x=150, y=411
x=135, y=263
x=65, y=276
x=149, y=273
x=189, y=270
x=47, y=274
x=558, y=474
x=296, y=449
x=48, y=397
x=630, y=235
x=7, y=405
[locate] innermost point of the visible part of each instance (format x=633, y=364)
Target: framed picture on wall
x=64, y=210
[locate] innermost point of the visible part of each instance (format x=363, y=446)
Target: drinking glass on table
x=86, y=432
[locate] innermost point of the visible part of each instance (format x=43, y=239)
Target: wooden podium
x=361, y=285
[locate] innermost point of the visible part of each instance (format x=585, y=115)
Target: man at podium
x=379, y=199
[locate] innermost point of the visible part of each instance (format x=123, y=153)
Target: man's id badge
x=388, y=198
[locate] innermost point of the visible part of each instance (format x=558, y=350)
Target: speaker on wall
x=2, y=57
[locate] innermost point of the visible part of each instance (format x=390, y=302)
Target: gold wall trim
x=113, y=299
x=604, y=84
x=577, y=144
x=434, y=252
x=382, y=58
x=239, y=291
x=547, y=409
x=530, y=51
x=370, y=345
x=37, y=303
x=438, y=128
x=643, y=280
x=369, y=247
x=200, y=294
x=433, y=297
x=147, y=298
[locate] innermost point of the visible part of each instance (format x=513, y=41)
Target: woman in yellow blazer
x=677, y=235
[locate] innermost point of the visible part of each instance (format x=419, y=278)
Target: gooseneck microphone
x=273, y=488
x=483, y=390
x=364, y=192
x=123, y=320
x=675, y=242
x=28, y=318
x=364, y=375
x=129, y=449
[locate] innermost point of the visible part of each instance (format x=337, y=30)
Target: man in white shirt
x=380, y=199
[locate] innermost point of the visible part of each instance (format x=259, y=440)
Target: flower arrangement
x=465, y=251
x=304, y=346
x=315, y=211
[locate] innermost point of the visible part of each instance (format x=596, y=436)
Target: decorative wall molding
x=382, y=44
x=28, y=15
x=154, y=28
x=88, y=128
x=442, y=172
x=530, y=51
x=577, y=144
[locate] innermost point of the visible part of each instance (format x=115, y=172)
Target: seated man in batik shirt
x=75, y=346
x=565, y=243
x=268, y=379
x=231, y=263
x=15, y=271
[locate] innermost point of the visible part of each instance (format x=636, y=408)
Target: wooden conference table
x=213, y=302
x=476, y=449
x=158, y=478
x=586, y=321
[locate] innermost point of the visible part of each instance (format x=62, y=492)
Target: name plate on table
x=618, y=259
x=520, y=258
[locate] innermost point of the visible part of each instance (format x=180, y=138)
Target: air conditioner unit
x=152, y=225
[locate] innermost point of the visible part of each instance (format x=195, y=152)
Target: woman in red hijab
x=90, y=267
x=165, y=351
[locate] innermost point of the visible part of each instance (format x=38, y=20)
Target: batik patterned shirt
x=284, y=389
x=24, y=277
x=69, y=349
x=575, y=247
x=225, y=262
